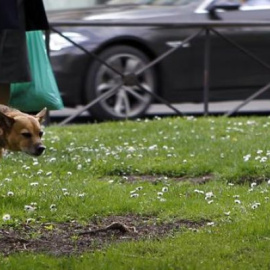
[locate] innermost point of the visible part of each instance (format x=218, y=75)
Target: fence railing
x=207, y=29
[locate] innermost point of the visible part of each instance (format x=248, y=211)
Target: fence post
x=206, y=71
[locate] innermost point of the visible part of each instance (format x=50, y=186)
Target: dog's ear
x=6, y=122
x=40, y=116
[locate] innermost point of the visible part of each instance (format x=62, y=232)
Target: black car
x=177, y=78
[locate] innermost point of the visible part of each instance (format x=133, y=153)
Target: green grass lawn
x=148, y=169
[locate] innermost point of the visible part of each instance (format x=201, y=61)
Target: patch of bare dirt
x=250, y=179
x=72, y=238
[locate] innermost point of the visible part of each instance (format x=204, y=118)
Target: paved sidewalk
x=256, y=107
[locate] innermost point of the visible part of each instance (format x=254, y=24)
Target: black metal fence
x=205, y=29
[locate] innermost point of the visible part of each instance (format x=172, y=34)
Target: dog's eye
x=40, y=134
x=27, y=134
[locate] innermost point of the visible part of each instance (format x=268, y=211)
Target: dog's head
x=22, y=132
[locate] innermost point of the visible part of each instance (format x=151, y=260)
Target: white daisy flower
x=246, y=157
x=29, y=208
x=199, y=191
x=6, y=217
x=79, y=166
x=53, y=159
x=209, y=195
x=39, y=172
x=255, y=205
x=131, y=149
x=52, y=206
x=33, y=184
x=210, y=223
x=263, y=159
x=153, y=147
x=165, y=189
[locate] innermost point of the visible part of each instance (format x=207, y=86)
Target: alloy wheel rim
x=129, y=101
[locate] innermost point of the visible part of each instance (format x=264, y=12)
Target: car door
x=234, y=74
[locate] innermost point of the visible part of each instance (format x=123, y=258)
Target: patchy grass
x=61, y=239
x=195, y=192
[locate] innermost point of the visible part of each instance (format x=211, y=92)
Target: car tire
x=128, y=102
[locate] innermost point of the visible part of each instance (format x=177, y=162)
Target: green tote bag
x=42, y=91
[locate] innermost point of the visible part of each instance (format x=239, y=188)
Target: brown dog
x=20, y=131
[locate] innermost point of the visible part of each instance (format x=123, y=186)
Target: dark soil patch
x=72, y=238
x=249, y=179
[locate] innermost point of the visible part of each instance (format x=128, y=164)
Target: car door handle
x=174, y=44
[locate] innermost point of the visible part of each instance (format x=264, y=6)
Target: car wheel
x=128, y=101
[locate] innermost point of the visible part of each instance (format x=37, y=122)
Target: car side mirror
x=213, y=7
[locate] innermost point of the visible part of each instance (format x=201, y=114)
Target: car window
x=244, y=4
x=67, y=4
x=152, y=2
x=255, y=4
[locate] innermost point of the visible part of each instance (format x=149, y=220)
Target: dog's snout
x=40, y=149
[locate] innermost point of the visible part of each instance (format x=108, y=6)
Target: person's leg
x=4, y=93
